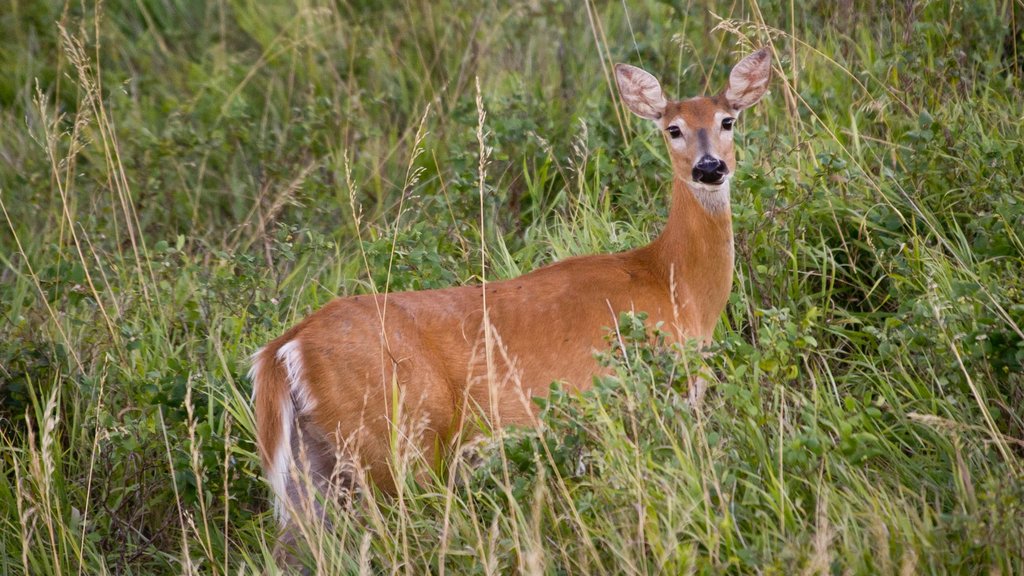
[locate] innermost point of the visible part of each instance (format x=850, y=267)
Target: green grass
x=180, y=181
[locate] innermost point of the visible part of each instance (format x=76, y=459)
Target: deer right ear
x=640, y=91
x=748, y=81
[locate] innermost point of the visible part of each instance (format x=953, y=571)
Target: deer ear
x=640, y=91
x=748, y=80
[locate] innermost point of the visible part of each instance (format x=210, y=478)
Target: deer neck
x=694, y=253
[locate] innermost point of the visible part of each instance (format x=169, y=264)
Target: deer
x=367, y=378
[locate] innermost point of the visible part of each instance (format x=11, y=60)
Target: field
x=181, y=180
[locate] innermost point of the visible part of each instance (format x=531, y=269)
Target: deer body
x=364, y=371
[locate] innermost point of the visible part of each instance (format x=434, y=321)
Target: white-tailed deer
x=370, y=377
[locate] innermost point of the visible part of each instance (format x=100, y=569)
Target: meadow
x=182, y=180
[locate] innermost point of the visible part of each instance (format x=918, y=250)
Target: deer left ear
x=640, y=91
x=748, y=81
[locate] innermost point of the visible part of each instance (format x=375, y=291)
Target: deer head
x=699, y=131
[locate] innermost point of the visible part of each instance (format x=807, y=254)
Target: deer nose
x=709, y=170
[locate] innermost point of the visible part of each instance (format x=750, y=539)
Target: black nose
x=709, y=170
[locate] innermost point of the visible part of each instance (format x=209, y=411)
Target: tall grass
x=180, y=181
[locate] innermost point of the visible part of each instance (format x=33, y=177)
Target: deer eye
x=727, y=123
x=674, y=131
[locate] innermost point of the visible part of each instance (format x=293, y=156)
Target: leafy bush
x=180, y=181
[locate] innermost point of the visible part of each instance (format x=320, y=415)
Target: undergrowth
x=180, y=181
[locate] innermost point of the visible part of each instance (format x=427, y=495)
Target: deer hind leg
x=698, y=386
x=699, y=382
x=310, y=484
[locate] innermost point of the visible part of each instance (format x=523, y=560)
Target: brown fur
x=429, y=350
x=546, y=327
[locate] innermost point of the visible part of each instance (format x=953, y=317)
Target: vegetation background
x=180, y=180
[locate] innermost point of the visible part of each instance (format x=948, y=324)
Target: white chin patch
x=714, y=198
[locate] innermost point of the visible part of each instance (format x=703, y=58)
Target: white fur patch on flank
x=298, y=400
x=712, y=198
x=257, y=366
x=281, y=460
x=291, y=356
x=281, y=466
